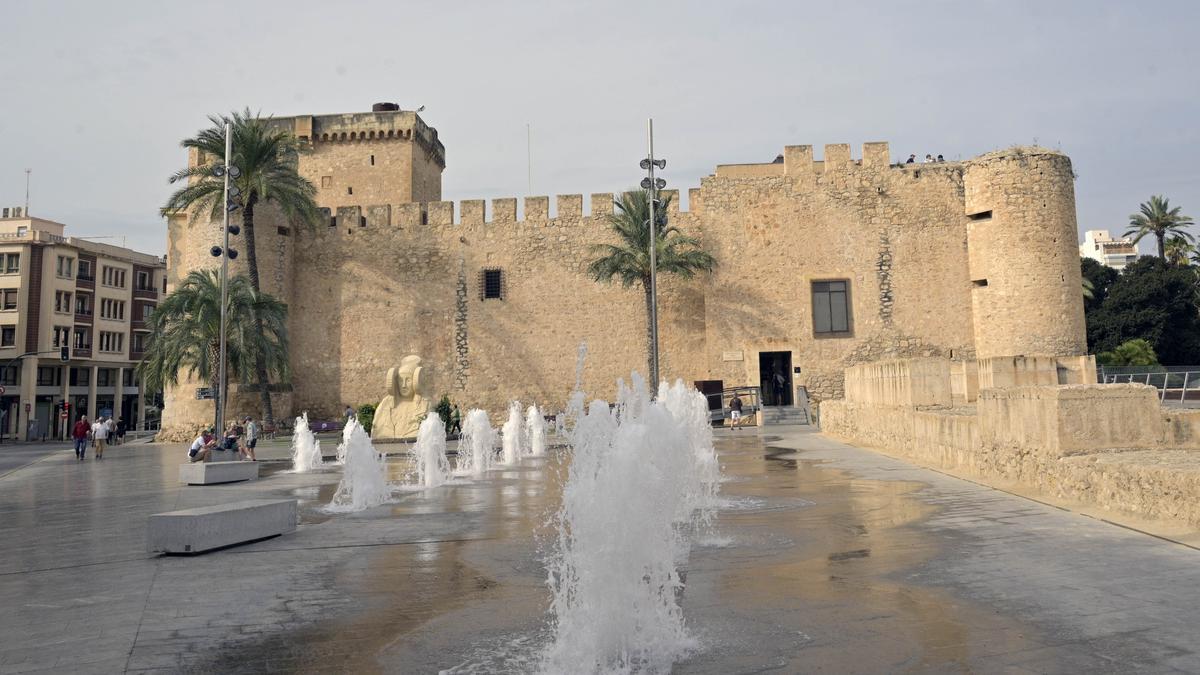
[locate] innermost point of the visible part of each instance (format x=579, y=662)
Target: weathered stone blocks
x=212, y=527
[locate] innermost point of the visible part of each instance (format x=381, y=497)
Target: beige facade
x=822, y=264
x=58, y=291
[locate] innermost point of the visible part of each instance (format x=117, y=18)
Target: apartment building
x=92, y=298
x=1100, y=246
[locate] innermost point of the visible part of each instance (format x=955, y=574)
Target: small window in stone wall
x=831, y=308
x=491, y=284
x=326, y=181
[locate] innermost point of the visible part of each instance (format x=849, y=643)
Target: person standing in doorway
x=80, y=434
x=100, y=436
x=780, y=382
x=735, y=412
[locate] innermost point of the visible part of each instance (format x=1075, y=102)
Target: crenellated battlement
x=476, y=211
x=380, y=126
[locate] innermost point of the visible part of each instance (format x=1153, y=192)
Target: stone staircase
x=773, y=415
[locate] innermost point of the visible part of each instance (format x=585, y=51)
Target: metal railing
x=718, y=404
x=1174, y=384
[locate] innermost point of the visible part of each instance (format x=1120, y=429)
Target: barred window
x=491, y=284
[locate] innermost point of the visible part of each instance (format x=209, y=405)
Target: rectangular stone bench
x=212, y=527
x=213, y=473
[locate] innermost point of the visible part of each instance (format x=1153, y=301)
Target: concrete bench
x=212, y=527
x=212, y=473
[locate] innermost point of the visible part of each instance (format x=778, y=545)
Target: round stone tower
x=1023, y=256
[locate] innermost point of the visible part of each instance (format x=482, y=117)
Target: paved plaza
x=824, y=558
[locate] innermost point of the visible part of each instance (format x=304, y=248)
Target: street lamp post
x=228, y=172
x=652, y=185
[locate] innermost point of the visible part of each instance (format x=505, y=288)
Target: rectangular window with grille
x=491, y=284
x=831, y=307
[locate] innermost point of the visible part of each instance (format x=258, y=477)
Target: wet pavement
x=823, y=558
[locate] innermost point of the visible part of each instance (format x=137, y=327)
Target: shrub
x=366, y=415
x=443, y=409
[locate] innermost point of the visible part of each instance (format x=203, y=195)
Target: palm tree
x=266, y=155
x=1137, y=352
x=185, y=333
x=629, y=259
x=1178, y=251
x=1159, y=219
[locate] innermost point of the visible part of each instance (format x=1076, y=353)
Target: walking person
x=100, y=436
x=735, y=411
x=80, y=434
x=456, y=420
x=348, y=414
x=121, y=429
x=251, y=437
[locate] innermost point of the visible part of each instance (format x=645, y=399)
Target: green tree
x=266, y=155
x=628, y=260
x=1178, y=251
x=1101, y=278
x=1157, y=218
x=1130, y=353
x=1155, y=301
x=185, y=332
x=366, y=416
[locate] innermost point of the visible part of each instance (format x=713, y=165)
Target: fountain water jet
x=364, y=479
x=535, y=431
x=433, y=469
x=306, y=449
x=511, y=435
x=476, y=445
x=636, y=475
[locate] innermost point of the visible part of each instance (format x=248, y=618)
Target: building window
x=10, y=376
x=111, y=342
x=326, y=181
x=85, y=270
x=62, y=302
x=83, y=304
x=137, y=342
x=831, y=307
x=104, y=377
x=12, y=263
x=49, y=376
x=83, y=339
x=128, y=379
x=491, y=284
x=81, y=377
x=144, y=283
x=62, y=336
x=349, y=190
x=112, y=309
x=10, y=299
x=66, y=267
x=8, y=336
x=147, y=312
x=113, y=276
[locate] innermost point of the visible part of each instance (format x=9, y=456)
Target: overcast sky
x=95, y=96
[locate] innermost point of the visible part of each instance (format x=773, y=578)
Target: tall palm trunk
x=260, y=366
x=649, y=334
x=1161, y=236
x=214, y=381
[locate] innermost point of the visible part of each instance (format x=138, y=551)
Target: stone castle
x=821, y=265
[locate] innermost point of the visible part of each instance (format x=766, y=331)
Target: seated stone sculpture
x=400, y=412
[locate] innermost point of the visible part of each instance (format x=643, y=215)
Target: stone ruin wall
x=395, y=278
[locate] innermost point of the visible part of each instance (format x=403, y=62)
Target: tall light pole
x=229, y=172
x=652, y=185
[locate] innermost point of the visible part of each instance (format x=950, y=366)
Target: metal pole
x=653, y=268
x=1183, y=391
x=224, y=286
x=27, y=172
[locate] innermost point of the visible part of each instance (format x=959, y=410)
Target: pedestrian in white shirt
x=100, y=436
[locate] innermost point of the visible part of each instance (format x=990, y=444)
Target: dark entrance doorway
x=775, y=377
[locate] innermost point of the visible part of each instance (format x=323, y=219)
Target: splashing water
x=306, y=449
x=476, y=445
x=511, y=435
x=535, y=431
x=364, y=479
x=635, y=477
x=340, y=457
x=433, y=469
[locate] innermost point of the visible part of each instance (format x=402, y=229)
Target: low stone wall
x=1111, y=446
x=902, y=382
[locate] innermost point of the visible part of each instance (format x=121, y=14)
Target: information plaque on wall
x=732, y=356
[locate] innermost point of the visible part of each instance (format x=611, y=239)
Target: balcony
x=82, y=352
x=138, y=324
x=83, y=316
x=85, y=281
x=145, y=293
